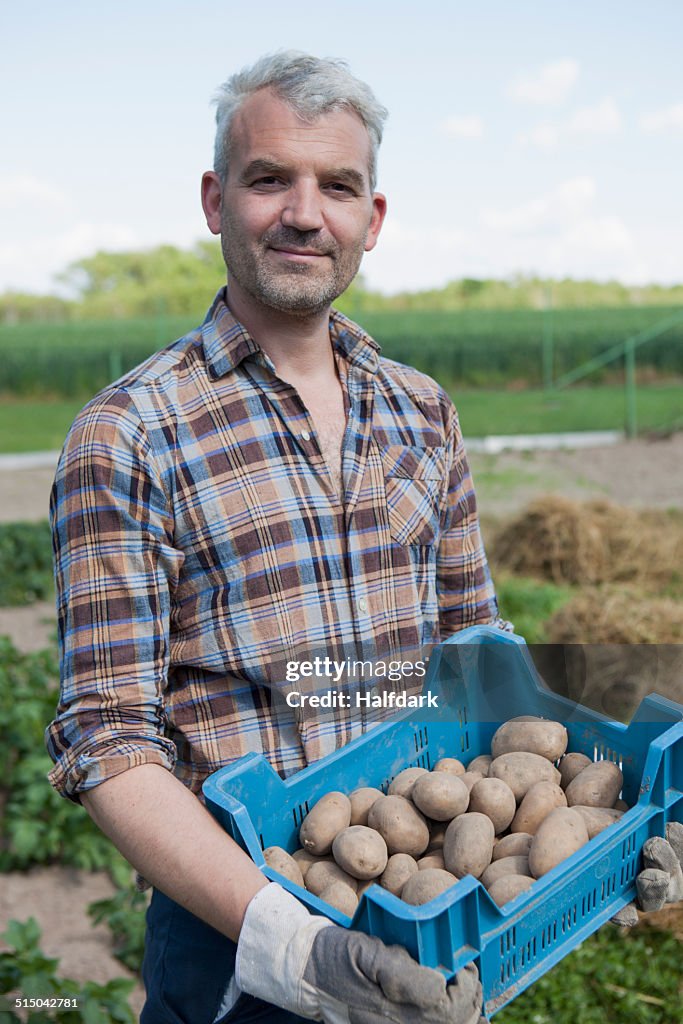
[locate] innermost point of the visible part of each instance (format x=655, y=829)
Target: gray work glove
x=661, y=880
x=306, y=964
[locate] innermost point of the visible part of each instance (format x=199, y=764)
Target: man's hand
x=312, y=967
x=661, y=880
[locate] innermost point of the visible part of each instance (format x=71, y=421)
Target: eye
x=267, y=182
x=340, y=188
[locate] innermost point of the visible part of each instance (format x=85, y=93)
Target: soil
x=58, y=899
x=641, y=473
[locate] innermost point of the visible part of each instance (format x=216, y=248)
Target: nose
x=303, y=208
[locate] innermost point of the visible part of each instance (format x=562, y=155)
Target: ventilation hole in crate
x=260, y=836
x=299, y=813
x=508, y=941
x=607, y=888
x=628, y=847
x=508, y=969
x=464, y=741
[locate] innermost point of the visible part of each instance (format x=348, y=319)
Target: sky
x=524, y=137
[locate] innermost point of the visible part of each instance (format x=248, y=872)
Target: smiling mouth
x=298, y=254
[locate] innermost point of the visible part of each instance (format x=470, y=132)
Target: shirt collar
x=227, y=342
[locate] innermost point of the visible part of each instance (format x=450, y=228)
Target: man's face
x=296, y=211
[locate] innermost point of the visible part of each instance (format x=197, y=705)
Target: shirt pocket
x=414, y=480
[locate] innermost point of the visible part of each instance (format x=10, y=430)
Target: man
x=264, y=486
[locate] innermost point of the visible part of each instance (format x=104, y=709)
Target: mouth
x=299, y=255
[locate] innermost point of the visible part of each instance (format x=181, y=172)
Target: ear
x=212, y=193
x=379, y=209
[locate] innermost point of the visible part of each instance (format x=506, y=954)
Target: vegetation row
x=474, y=348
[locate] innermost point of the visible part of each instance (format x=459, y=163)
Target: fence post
x=630, y=387
x=548, y=340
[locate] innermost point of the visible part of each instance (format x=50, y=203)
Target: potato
x=518, y=865
x=521, y=770
x=538, y=802
x=323, y=873
x=480, y=764
x=468, y=846
x=597, y=785
x=341, y=897
x=361, y=801
x=495, y=799
x=440, y=795
x=431, y=860
x=562, y=833
x=360, y=851
x=449, y=764
x=514, y=845
x=400, y=867
x=329, y=816
x=597, y=818
x=469, y=778
x=403, y=783
x=531, y=735
x=400, y=824
x=281, y=861
x=570, y=766
x=304, y=859
x=425, y=885
x=508, y=887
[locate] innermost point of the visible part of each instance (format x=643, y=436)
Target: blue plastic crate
x=483, y=677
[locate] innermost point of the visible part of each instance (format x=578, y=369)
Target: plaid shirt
x=199, y=540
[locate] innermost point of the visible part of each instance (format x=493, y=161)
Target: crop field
x=475, y=348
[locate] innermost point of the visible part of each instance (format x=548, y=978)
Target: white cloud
x=547, y=86
x=468, y=126
x=560, y=207
x=25, y=189
x=604, y=118
x=663, y=121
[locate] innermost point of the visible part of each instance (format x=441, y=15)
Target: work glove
x=309, y=966
x=661, y=880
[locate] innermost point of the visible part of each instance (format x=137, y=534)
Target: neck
x=296, y=344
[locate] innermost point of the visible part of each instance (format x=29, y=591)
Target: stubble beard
x=294, y=288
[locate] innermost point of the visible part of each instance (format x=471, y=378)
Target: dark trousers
x=187, y=968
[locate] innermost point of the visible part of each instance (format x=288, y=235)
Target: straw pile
x=591, y=542
x=607, y=615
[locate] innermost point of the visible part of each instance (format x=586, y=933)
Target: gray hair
x=310, y=85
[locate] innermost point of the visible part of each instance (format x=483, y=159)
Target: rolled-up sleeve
x=466, y=592
x=115, y=570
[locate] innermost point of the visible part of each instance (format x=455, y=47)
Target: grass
x=35, y=425
x=602, y=407
x=609, y=979
x=41, y=424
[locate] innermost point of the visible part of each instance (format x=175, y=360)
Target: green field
x=40, y=425
x=477, y=348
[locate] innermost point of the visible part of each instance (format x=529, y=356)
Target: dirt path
x=640, y=473
x=58, y=899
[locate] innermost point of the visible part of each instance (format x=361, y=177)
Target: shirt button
x=305, y=436
x=362, y=605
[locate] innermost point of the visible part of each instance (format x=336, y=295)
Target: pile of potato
x=507, y=818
